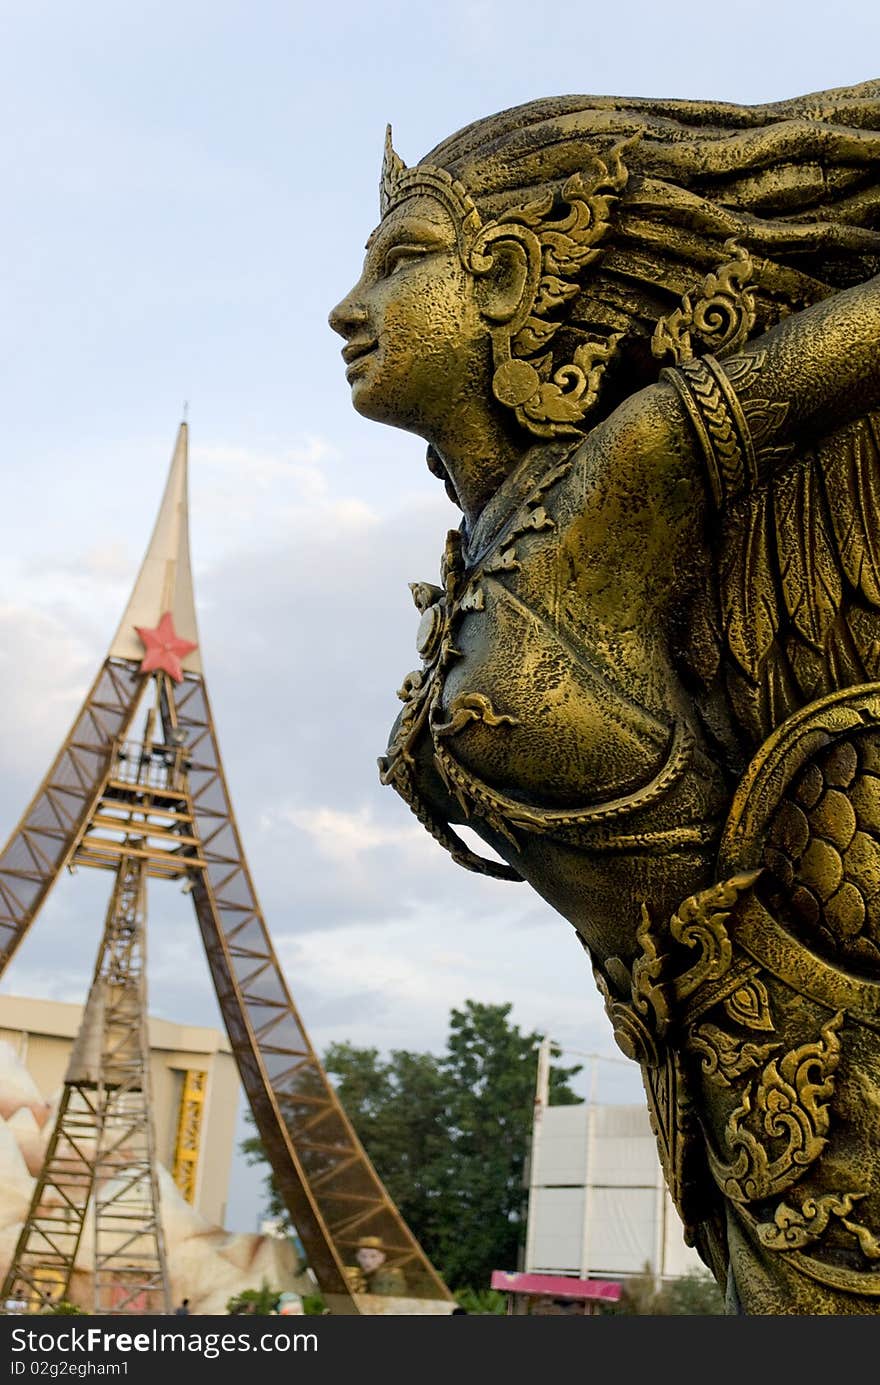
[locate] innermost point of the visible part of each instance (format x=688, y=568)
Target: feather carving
x=799, y=580
x=749, y=602
x=809, y=570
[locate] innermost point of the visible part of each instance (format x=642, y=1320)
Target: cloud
x=298, y=463
x=259, y=500
x=345, y=837
x=45, y=666
x=395, y=987
x=103, y=562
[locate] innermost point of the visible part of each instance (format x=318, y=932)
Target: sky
x=187, y=190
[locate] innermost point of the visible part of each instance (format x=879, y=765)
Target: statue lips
x=355, y=353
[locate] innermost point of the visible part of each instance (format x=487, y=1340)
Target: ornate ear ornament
x=547, y=402
x=554, y=405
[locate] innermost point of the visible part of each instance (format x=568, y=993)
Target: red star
x=165, y=648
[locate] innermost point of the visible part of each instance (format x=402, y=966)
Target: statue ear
x=506, y=262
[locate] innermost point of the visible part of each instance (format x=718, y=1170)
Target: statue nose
x=346, y=316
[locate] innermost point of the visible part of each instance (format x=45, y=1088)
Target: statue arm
x=786, y=436
x=825, y=361
x=816, y=371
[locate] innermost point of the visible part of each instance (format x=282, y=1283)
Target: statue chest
x=566, y=746
x=526, y=706
x=520, y=706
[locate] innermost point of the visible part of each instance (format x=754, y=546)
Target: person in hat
x=379, y=1277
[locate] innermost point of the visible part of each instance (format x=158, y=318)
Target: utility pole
x=542, y=1100
x=587, y=1228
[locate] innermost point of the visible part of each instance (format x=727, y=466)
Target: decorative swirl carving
x=701, y=922
x=641, y=1021
x=650, y=996
x=631, y=1034
x=474, y=599
x=790, y=1102
x=505, y=560
x=559, y=403
x=469, y=707
x=750, y=1005
x=725, y=1056
x=720, y=314
x=869, y=1244
x=792, y=1228
x=546, y=402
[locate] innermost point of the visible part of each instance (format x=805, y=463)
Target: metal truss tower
x=100, y=1156
x=161, y=808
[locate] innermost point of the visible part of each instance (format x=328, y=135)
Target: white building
x=598, y=1203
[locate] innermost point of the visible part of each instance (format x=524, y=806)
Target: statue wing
x=798, y=611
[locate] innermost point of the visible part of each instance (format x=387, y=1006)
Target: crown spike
x=393, y=168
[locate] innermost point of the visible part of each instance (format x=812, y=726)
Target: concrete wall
x=42, y=1033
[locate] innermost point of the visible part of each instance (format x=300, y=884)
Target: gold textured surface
x=641, y=339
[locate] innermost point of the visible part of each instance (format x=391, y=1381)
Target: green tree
x=262, y=1301
x=692, y=1295
x=491, y=1069
x=449, y=1135
x=398, y=1108
x=482, y=1301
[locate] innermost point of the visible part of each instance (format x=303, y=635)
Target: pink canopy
x=557, y=1285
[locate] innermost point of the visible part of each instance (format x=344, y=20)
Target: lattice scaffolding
x=160, y=808
x=100, y=1159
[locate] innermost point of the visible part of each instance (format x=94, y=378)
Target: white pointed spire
x=165, y=582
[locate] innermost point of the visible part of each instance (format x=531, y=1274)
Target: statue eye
x=399, y=255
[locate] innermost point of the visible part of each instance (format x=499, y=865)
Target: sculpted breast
x=517, y=710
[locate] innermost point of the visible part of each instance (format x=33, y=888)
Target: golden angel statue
x=642, y=341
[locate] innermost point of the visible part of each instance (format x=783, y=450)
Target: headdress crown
x=399, y=182
x=546, y=399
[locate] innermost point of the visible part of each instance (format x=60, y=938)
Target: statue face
x=417, y=346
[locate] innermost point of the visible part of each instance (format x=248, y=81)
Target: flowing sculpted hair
x=792, y=188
